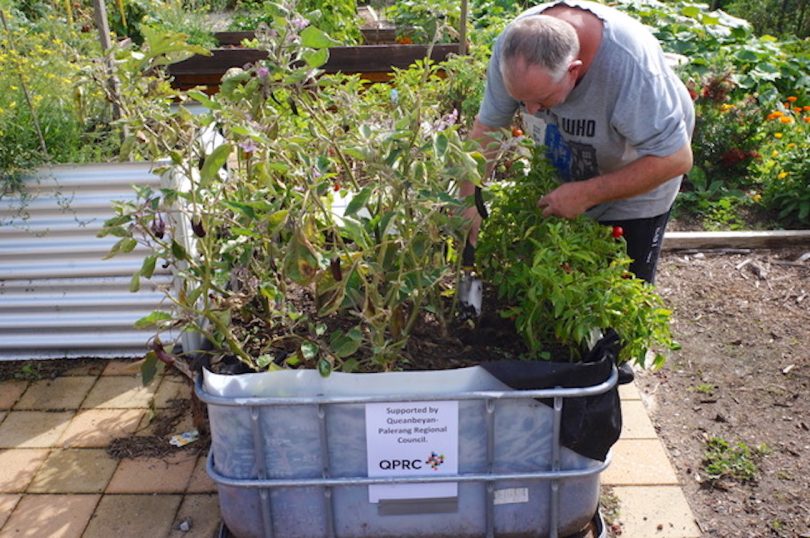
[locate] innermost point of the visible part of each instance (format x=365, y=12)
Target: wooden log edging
x=742, y=239
x=376, y=61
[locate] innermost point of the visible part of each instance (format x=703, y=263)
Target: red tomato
x=517, y=132
x=618, y=231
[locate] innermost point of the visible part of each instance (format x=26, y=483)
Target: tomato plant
x=565, y=280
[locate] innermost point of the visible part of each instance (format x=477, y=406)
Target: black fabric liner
x=590, y=425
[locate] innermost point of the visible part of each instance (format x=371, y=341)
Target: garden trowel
x=470, y=287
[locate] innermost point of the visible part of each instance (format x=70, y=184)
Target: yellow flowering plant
x=784, y=172
x=45, y=116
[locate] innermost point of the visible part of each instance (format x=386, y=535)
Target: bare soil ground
x=742, y=377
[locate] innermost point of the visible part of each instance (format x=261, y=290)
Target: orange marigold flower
x=792, y=99
x=806, y=108
x=807, y=119
x=786, y=119
x=775, y=114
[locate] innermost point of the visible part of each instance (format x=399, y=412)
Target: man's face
x=536, y=88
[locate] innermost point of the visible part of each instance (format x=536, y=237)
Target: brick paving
x=57, y=480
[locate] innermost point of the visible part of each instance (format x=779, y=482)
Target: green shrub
x=339, y=19
x=45, y=59
x=565, y=279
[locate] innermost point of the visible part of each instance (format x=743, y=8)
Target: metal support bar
x=387, y=481
x=261, y=471
x=554, y=514
x=325, y=473
x=490, y=418
x=601, y=388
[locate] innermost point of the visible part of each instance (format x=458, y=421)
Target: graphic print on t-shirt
x=583, y=161
x=573, y=160
x=557, y=151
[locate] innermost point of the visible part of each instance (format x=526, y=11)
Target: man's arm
x=570, y=200
x=480, y=133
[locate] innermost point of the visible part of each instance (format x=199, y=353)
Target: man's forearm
x=638, y=177
x=642, y=175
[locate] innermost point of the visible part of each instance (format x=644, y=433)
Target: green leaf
x=690, y=11
x=316, y=39
x=117, y=221
x=238, y=207
x=316, y=58
x=276, y=220
x=153, y=319
x=440, y=144
x=204, y=100
x=358, y=202
x=125, y=245
x=309, y=350
x=324, y=367
x=214, y=162
x=264, y=360
x=149, y=368
x=148, y=266
x=346, y=344
x=178, y=251
x=135, y=283
x=164, y=47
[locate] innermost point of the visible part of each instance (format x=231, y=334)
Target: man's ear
x=575, y=66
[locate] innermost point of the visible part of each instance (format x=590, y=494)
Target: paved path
x=57, y=480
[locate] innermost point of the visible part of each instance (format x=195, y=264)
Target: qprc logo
x=435, y=460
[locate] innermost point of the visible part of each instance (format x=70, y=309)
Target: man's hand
x=474, y=217
x=569, y=200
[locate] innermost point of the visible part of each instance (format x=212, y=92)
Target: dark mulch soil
x=156, y=445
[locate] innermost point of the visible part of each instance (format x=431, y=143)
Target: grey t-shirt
x=629, y=104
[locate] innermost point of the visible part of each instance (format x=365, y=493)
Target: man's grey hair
x=539, y=40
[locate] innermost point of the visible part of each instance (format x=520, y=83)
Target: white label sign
x=412, y=439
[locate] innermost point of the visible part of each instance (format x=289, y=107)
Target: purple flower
x=248, y=146
x=447, y=121
x=299, y=23
x=262, y=72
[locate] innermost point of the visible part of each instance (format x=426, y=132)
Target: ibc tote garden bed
x=295, y=454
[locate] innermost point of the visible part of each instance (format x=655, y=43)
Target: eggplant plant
x=320, y=224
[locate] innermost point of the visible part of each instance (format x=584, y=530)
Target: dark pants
x=644, y=238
